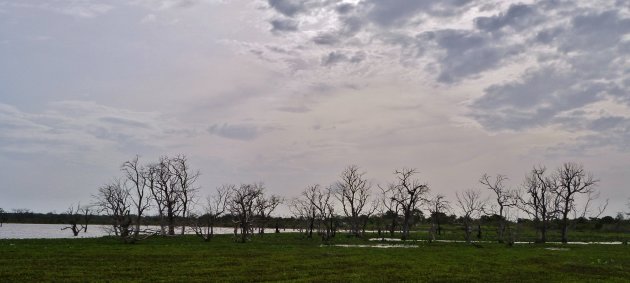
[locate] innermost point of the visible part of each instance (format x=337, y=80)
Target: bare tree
x=186, y=179
x=78, y=218
x=167, y=194
x=304, y=210
x=537, y=199
x=504, y=199
x=437, y=205
x=390, y=206
x=241, y=206
x=471, y=205
x=3, y=216
x=573, y=180
x=114, y=199
x=353, y=191
x=264, y=207
x=215, y=207
x=408, y=193
x=140, y=179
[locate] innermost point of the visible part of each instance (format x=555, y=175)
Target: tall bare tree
x=471, y=205
x=186, y=179
x=215, y=206
x=264, y=207
x=391, y=207
x=241, y=206
x=573, y=180
x=353, y=191
x=167, y=194
x=114, y=199
x=504, y=199
x=437, y=206
x=408, y=192
x=321, y=202
x=304, y=210
x=537, y=199
x=141, y=180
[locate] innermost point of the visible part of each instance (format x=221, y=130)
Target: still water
x=53, y=231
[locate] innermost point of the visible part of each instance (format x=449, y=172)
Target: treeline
x=165, y=193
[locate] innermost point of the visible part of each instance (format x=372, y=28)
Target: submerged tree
x=78, y=218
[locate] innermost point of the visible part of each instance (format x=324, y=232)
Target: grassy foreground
x=290, y=257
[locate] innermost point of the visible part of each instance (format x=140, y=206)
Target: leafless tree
x=264, y=207
x=321, y=200
x=3, y=216
x=114, y=199
x=78, y=218
x=537, y=199
x=471, y=205
x=408, y=193
x=142, y=181
x=167, y=193
x=241, y=206
x=586, y=211
x=353, y=191
x=573, y=180
x=215, y=207
x=504, y=199
x=437, y=206
x=390, y=206
x=186, y=179
x=304, y=210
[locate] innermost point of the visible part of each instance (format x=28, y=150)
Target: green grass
x=290, y=257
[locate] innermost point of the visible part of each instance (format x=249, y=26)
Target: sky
x=290, y=92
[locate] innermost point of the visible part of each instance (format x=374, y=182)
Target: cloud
x=337, y=57
x=244, y=132
x=77, y=126
x=283, y=25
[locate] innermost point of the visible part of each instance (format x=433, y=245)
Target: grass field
x=290, y=257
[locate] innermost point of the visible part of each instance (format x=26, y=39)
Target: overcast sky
x=289, y=92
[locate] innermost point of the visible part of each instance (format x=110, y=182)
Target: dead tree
x=303, y=210
x=504, y=200
x=215, y=207
x=78, y=218
x=264, y=207
x=437, y=205
x=353, y=191
x=114, y=199
x=573, y=180
x=537, y=199
x=471, y=205
x=408, y=193
x=241, y=206
x=142, y=182
x=390, y=206
x=167, y=193
x=322, y=201
x=186, y=179
x=3, y=216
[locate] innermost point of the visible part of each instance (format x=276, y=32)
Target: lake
x=53, y=231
